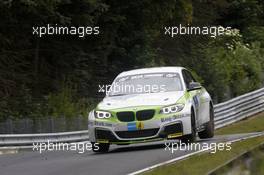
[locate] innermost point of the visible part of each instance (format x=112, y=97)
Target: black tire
x=100, y=147
x=190, y=137
x=208, y=132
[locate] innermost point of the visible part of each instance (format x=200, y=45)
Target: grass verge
x=203, y=163
x=252, y=124
x=250, y=163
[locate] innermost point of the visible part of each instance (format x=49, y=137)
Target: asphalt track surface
x=120, y=160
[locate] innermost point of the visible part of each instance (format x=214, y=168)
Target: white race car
x=150, y=104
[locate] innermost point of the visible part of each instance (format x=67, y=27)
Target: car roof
x=152, y=70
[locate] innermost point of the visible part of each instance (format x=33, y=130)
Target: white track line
x=188, y=155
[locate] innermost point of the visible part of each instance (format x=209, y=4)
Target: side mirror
x=194, y=86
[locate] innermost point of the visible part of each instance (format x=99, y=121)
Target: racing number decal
x=140, y=125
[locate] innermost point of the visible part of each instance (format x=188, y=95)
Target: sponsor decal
x=170, y=118
x=96, y=123
x=90, y=123
x=196, y=101
x=174, y=135
x=173, y=117
x=133, y=126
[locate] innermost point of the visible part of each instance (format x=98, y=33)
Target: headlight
x=102, y=114
x=172, y=109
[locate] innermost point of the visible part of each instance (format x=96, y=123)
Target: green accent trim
x=175, y=135
x=102, y=141
x=113, y=119
x=137, y=141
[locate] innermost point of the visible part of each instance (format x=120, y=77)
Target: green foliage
x=32, y=69
x=64, y=103
x=61, y=104
x=233, y=67
x=255, y=33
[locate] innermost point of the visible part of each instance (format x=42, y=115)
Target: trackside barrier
x=226, y=113
x=29, y=139
x=239, y=108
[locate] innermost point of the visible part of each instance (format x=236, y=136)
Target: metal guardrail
x=43, y=125
x=239, y=108
x=29, y=139
x=225, y=113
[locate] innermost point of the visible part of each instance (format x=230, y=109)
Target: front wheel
x=208, y=132
x=100, y=147
x=190, y=137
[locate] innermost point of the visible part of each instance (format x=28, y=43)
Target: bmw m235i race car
x=150, y=104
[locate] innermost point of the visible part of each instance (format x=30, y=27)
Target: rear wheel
x=209, y=126
x=190, y=137
x=100, y=147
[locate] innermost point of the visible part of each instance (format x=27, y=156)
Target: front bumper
x=170, y=126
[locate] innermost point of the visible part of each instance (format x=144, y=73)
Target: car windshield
x=146, y=83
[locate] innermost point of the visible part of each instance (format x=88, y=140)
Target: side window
x=188, y=78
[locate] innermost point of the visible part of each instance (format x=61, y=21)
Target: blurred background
x=49, y=84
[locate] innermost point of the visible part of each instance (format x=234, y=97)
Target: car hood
x=149, y=99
